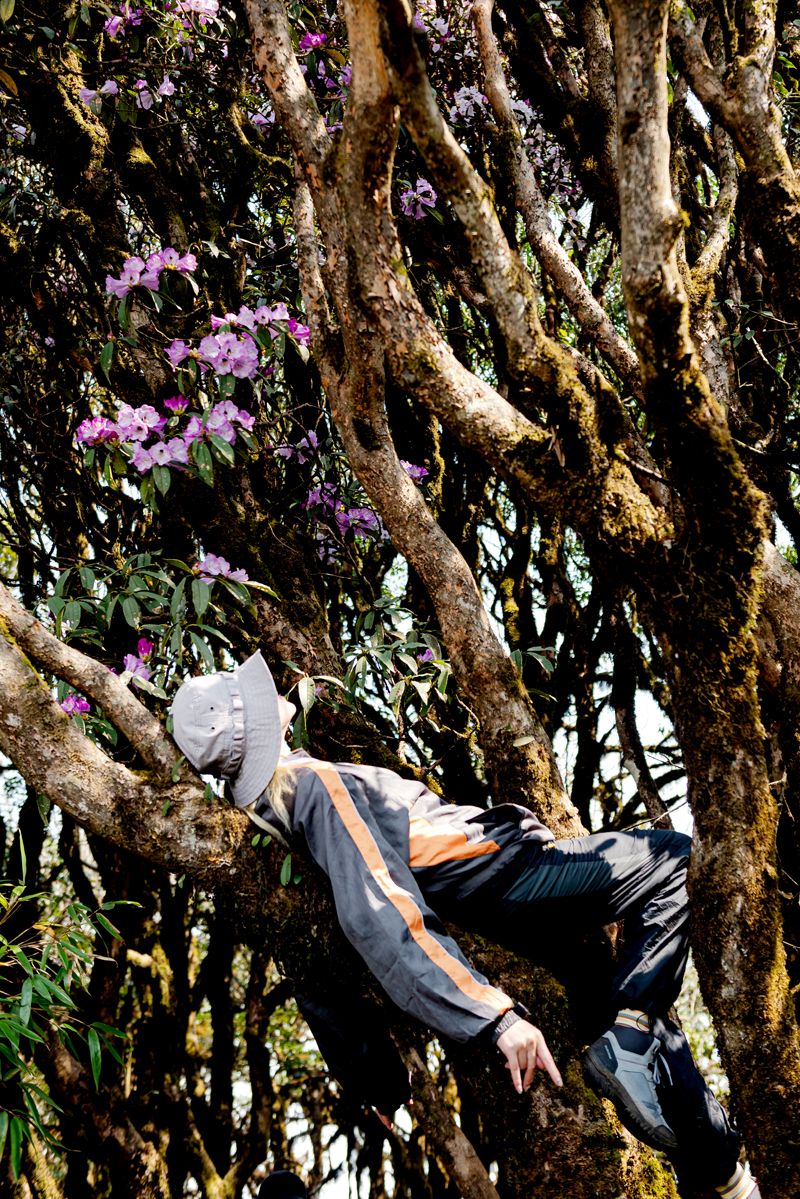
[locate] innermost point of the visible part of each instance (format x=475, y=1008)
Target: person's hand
x=526, y=1049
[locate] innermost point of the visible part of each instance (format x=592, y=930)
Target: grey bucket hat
x=228, y=724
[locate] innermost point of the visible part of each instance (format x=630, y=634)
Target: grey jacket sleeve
x=384, y=915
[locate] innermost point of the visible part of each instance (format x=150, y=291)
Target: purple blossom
x=212, y=565
x=204, y=9
x=177, y=352
x=219, y=425
x=87, y=94
x=412, y=201
x=166, y=87
x=142, y=459
x=177, y=405
x=416, y=472
x=179, y=451
x=299, y=332
x=144, y=98
x=426, y=657
x=160, y=453
x=310, y=40
x=112, y=26
x=109, y=88
x=75, y=705
x=144, y=649
x=98, y=430
x=194, y=430
x=136, y=666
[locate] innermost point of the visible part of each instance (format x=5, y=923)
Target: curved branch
x=590, y=315
x=92, y=678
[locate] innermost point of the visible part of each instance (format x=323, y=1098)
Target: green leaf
x=108, y=926
x=72, y=613
x=208, y=794
x=286, y=870
x=201, y=595
x=166, y=807
x=3, y=1131
x=131, y=611
x=106, y=358
x=6, y=13
x=176, y=770
x=203, y=650
x=202, y=456
x=177, y=601
x=307, y=693
x=224, y=451
x=15, y=1145
x=94, y=1055
x=26, y=997
x=87, y=577
x=255, y=840
x=162, y=478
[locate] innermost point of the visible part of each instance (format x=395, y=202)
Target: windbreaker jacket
x=388, y=845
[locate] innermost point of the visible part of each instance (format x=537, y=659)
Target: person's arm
x=385, y=917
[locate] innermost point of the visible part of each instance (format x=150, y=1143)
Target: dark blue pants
x=549, y=903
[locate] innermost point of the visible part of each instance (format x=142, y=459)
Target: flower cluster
x=138, y=273
x=204, y=10
x=468, y=101
x=75, y=705
x=362, y=521
x=212, y=566
x=230, y=354
x=134, y=426
x=413, y=199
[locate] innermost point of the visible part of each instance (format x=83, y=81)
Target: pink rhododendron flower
x=194, y=430
x=412, y=201
x=177, y=352
x=144, y=649
x=160, y=454
x=177, y=405
x=310, y=40
x=217, y=424
x=75, y=705
x=179, y=451
x=112, y=26
x=98, y=430
x=136, y=666
x=416, y=472
x=144, y=98
x=142, y=460
x=212, y=565
x=300, y=332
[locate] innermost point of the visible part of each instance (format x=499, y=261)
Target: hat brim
x=262, y=730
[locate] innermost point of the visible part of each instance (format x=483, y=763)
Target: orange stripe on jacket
x=399, y=898
x=428, y=846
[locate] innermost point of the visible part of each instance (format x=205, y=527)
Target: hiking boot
x=623, y=1066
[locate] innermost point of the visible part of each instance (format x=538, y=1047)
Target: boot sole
x=657, y=1137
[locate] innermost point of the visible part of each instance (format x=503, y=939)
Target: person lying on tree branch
x=401, y=861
